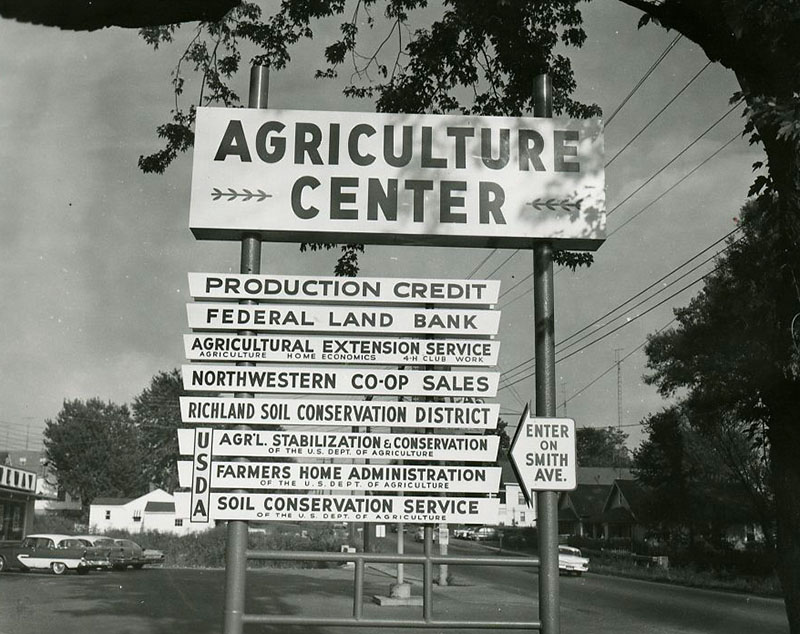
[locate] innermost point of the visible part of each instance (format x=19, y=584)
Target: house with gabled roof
x=623, y=512
x=154, y=511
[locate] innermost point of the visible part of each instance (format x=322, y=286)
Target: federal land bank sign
x=375, y=178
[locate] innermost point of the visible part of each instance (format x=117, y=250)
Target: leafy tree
x=157, y=414
x=94, y=451
x=601, y=447
x=694, y=478
x=733, y=353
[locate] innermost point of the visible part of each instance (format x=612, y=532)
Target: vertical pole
x=236, y=547
x=544, y=332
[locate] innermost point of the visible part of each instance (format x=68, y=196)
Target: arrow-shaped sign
x=543, y=454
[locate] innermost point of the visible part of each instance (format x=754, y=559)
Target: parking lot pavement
x=169, y=601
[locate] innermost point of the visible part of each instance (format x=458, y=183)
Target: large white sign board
x=372, y=178
x=319, y=412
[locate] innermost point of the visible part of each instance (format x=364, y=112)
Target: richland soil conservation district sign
x=317, y=412
x=374, y=178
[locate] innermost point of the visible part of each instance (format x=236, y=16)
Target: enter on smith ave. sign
x=543, y=454
x=378, y=178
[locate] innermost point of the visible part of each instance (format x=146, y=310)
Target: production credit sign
x=302, y=380
x=326, y=288
x=276, y=411
x=340, y=349
x=397, y=178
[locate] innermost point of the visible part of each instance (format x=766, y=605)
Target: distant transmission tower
x=619, y=386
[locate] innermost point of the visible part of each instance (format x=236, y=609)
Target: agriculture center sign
x=292, y=175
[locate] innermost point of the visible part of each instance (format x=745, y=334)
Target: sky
x=94, y=255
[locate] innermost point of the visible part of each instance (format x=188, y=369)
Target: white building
x=154, y=511
x=514, y=510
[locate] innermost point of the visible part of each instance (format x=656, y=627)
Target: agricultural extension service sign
x=294, y=175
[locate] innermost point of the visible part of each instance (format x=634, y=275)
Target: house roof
x=507, y=474
x=588, y=499
x=159, y=507
x=602, y=475
x=618, y=515
x=633, y=492
x=111, y=501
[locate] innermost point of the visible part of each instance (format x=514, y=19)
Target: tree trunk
x=786, y=483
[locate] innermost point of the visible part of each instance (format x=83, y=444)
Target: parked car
x=463, y=532
x=133, y=552
x=58, y=553
x=118, y=557
x=571, y=561
x=483, y=533
x=153, y=556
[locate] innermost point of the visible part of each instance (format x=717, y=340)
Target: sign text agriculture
x=390, y=178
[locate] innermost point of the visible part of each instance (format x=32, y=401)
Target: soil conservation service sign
x=397, y=178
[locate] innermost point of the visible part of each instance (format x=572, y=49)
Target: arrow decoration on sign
x=551, y=204
x=246, y=195
x=542, y=455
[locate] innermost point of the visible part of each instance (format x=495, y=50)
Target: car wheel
x=58, y=567
x=2, y=563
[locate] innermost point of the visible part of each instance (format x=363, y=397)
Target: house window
x=108, y=515
x=521, y=517
x=137, y=515
x=521, y=499
x=23, y=461
x=178, y=522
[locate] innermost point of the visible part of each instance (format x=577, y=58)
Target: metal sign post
x=236, y=547
x=544, y=338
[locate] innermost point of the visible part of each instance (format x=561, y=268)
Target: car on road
x=58, y=553
x=483, y=533
x=119, y=558
x=571, y=561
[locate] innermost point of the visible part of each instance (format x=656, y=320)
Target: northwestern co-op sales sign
x=374, y=178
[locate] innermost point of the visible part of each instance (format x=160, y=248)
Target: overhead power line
x=644, y=78
x=564, y=341
x=658, y=114
x=655, y=200
x=674, y=158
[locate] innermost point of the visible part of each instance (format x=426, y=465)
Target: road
x=166, y=601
